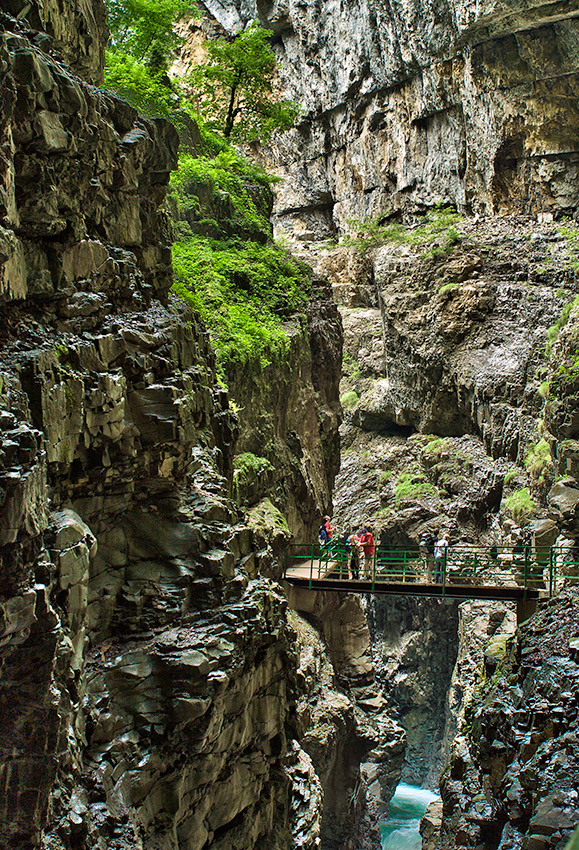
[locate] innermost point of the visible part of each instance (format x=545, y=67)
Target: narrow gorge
x=207, y=347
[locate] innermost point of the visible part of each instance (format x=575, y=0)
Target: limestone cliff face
x=290, y=414
x=408, y=104
x=149, y=680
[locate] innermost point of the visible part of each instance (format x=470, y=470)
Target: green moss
x=521, y=506
x=227, y=185
x=385, y=476
x=413, y=485
x=448, y=287
x=244, y=286
x=438, y=231
x=554, y=331
x=249, y=465
x=436, y=447
x=267, y=520
x=538, y=460
x=250, y=473
x=543, y=389
x=349, y=400
x=243, y=292
x=510, y=476
x=571, y=233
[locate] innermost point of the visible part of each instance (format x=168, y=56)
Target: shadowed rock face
x=512, y=779
x=408, y=104
x=148, y=674
x=76, y=30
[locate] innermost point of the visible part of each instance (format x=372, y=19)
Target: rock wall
x=290, y=413
x=407, y=105
x=415, y=645
x=149, y=677
x=355, y=717
x=512, y=777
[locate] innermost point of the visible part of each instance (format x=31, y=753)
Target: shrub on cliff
x=243, y=292
x=521, y=506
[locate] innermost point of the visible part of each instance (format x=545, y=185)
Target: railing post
x=373, y=570
x=404, y=566
x=551, y=571
x=312, y=565
x=444, y=562
x=526, y=568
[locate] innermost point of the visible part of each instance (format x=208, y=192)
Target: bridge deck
x=322, y=575
x=397, y=588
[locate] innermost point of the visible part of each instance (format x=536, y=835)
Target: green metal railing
x=546, y=569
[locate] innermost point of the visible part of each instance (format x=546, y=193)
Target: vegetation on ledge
x=227, y=266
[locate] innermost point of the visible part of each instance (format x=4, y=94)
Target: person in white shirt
x=440, y=551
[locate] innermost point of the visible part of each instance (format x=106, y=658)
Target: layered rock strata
x=512, y=778
x=149, y=676
x=406, y=106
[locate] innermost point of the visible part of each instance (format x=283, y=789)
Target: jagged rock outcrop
x=405, y=106
x=451, y=341
x=512, y=779
x=148, y=674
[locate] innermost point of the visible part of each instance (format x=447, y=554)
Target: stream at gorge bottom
x=402, y=829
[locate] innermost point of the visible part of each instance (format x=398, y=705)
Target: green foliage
x=538, y=460
x=243, y=291
x=141, y=45
x=438, y=231
x=412, y=485
x=248, y=467
x=385, y=476
x=148, y=92
x=554, y=331
x=434, y=448
x=267, y=520
x=235, y=88
x=448, y=287
x=145, y=29
x=349, y=400
x=543, y=389
x=571, y=234
x=520, y=505
x=231, y=185
x=510, y=476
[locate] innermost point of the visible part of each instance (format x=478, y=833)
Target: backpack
x=322, y=535
x=427, y=540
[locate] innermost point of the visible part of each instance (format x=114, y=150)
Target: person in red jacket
x=366, y=540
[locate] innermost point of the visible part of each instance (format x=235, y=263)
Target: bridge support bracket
x=525, y=609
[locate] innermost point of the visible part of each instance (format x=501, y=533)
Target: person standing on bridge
x=440, y=553
x=366, y=540
x=329, y=528
x=353, y=553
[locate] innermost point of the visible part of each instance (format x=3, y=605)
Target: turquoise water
x=401, y=830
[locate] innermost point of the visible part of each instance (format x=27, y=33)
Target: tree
x=145, y=29
x=142, y=42
x=235, y=89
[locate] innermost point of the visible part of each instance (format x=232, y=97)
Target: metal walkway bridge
x=521, y=574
